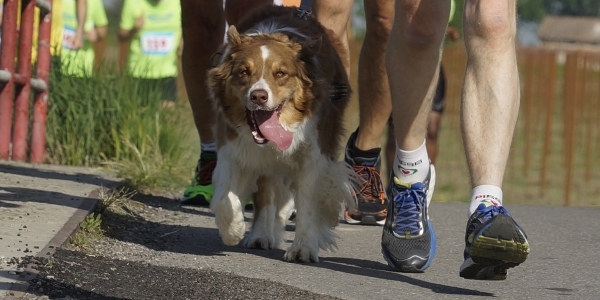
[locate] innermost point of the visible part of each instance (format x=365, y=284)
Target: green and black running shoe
x=201, y=191
x=494, y=243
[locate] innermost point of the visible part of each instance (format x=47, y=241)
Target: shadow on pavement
x=49, y=174
x=16, y=194
x=162, y=236
x=205, y=241
x=378, y=270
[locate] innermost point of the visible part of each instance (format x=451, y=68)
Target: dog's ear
x=220, y=72
x=217, y=78
x=311, y=48
x=221, y=67
x=233, y=36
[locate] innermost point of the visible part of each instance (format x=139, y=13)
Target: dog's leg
x=285, y=207
x=262, y=236
x=318, y=202
x=312, y=232
x=230, y=184
x=272, y=205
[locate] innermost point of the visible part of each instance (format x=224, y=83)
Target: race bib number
x=68, y=37
x=158, y=43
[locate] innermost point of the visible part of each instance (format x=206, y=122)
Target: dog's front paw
x=232, y=233
x=260, y=242
x=302, y=253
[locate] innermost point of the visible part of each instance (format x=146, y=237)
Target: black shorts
x=166, y=87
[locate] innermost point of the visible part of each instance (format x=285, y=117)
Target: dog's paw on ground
x=260, y=242
x=300, y=253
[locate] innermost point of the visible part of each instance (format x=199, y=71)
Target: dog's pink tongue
x=271, y=129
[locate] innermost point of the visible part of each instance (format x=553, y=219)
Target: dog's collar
x=338, y=91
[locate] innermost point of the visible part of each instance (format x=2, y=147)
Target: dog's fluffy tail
x=336, y=188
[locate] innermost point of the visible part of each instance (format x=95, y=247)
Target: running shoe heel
x=494, y=243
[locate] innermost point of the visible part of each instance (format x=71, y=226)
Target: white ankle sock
x=208, y=147
x=486, y=194
x=411, y=166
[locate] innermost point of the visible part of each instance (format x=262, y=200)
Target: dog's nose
x=259, y=96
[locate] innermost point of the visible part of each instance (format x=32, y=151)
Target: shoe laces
x=488, y=212
x=372, y=187
x=409, y=209
x=204, y=176
x=483, y=214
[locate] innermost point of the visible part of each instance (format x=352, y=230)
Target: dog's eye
x=244, y=73
x=280, y=74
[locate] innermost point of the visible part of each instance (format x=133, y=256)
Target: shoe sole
x=199, y=200
x=499, y=246
x=365, y=220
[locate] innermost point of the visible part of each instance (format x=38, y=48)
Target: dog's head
x=261, y=81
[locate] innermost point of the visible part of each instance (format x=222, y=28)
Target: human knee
x=424, y=25
x=333, y=14
x=379, y=25
x=490, y=19
x=332, y=8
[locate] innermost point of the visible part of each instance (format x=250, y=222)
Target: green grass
x=88, y=231
x=111, y=204
x=113, y=121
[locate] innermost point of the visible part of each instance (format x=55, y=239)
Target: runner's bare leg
x=490, y=100
x=203, y=24
x=335, y=15
x=412, y=59
x=373, y=88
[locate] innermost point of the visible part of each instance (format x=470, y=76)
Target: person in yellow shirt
x=58, y=39
x=80, y=62
x=152, y=30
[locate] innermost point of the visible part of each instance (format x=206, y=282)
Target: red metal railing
x=17, y=86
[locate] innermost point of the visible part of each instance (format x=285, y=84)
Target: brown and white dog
x=278, y=130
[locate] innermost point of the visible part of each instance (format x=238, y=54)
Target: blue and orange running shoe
x=408, y=242
x=494, y=243
x=371, y=200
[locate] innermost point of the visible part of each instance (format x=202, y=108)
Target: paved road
x=564, y=261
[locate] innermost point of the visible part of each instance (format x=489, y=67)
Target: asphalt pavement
x=564, y=260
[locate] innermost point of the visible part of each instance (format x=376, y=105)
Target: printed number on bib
x=68, y=37
x=157, y=43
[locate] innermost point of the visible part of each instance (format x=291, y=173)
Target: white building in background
x=570, y=33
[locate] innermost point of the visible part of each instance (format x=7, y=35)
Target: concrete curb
x=19, y=288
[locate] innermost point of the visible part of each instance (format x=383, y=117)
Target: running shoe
x=494, y=243
x=371, y=199
x=408, y=242
x=201, y=191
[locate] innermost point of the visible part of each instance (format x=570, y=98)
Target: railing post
x=40, y=104
x=7, y=67
x=22, y=78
